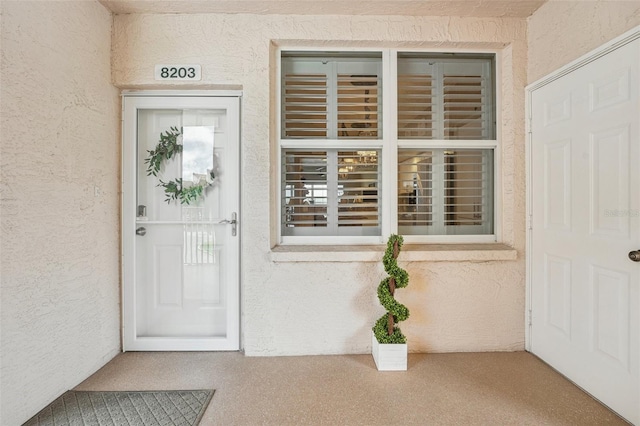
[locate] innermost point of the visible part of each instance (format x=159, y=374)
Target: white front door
x=181, y=257
x=585, y=177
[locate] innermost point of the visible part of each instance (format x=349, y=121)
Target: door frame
x=127, y=226
x=597, y=53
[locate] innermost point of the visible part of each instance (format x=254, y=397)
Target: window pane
x=358, y=106
x=415, y=102
x=446, y=97
x=465, y=105
x=331, y=95
x=359, y=206
x=304, y=190
x=304, y=105
x=445, y=192
x=468, y=200
x=415, y=191
x=330, y=193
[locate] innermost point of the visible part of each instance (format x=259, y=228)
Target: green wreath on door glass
x=170, y=146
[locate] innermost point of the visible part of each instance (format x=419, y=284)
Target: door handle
x=141, y=231
x=233, y=222
x=634, y=255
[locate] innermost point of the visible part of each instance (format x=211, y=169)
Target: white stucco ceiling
x=469, y=8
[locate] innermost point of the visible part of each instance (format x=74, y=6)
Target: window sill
x=410, y=253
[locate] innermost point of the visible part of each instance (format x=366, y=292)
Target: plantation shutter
x=415, y=190
x=445, y=192
x=468, y=191
x=331, y=97
x=304, y=191
x=357, y=103
x=467, y=101
x=358, y=194
x=331, y=149
x=330, y=193
x=417, y=117
x=305, y=101
x=448, y=99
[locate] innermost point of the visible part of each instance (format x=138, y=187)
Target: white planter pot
x=389, y=356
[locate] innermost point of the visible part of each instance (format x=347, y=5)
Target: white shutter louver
x=415, y=188
x=445, y=192
x=357, y=106
x=331, y=97
x=466, y=187
x=305, y=106
x=445, y=98
x=304, y=187
x=358, y=177
x=330, y=193
x=465, y=107
x=415, y=106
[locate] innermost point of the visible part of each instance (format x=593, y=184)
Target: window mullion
x=389, y=172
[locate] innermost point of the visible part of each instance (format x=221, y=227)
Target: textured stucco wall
x=60, y=167
x=329, y=307
x=561, y=31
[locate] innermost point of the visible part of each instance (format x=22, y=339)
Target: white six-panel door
x=585, y=206
x=181, y=261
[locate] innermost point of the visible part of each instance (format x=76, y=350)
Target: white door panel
x=181, y=273
x=585, y=177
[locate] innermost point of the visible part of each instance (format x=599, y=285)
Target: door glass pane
x=197, y=153
x=180, y=259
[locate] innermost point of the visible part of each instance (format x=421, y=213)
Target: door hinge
x=529, y=319
x=530, y=222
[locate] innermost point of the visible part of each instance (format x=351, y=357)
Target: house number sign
x=178, y=72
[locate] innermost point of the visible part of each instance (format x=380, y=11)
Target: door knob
x=635, y=255
x=141, y=231
x=233, y=222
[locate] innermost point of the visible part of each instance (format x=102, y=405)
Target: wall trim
x=184, y=91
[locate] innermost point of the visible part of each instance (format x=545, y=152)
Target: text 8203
x=177, y=72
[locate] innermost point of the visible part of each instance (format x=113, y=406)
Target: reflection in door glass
x=197, y=154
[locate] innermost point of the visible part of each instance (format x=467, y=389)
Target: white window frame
x=388, y=144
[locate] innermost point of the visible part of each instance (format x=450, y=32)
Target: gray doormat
x=165, y=408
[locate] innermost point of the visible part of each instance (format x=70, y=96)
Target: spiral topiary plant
x=386, y=329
